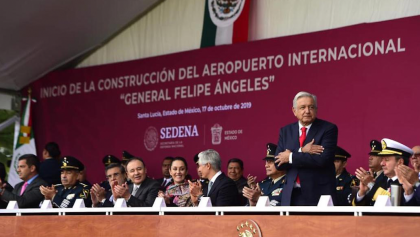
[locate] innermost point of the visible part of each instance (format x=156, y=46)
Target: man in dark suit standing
x=306, y=149
x=26, y=193
x=49, y=169
x=143, y=190
x=221, y=189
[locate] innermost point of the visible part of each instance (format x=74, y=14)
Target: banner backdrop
x=235, y=98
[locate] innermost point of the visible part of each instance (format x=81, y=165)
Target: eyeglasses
x=416, y=155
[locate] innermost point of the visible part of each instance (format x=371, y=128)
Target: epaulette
x=84, y=185
x=266, y=179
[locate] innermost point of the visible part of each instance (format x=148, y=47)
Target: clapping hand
x=252, y=194
x=121, y=191
x=407, y=177
x=251, y=181
x=195, y=191
x=165, y=197
x=365, y=177
x=48, y=192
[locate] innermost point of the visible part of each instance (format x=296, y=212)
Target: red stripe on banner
x=240, y=27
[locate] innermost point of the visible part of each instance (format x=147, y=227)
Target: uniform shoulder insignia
x=84, y=194
x=84, y=185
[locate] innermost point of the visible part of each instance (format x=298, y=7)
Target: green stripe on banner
x=208, y=37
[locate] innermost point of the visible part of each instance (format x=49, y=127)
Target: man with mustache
x=64, y=195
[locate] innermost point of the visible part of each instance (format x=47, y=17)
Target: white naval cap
x=391, y=147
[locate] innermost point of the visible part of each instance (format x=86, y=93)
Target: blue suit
x=316, y=172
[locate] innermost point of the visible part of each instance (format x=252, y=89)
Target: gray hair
x=304, y=94
x=210, y=156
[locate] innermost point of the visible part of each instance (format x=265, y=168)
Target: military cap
x=392, y=148
x=71, y=163
x=271, y=150
x=110, y=159
x=126, y=156
x=375, y=147
x=341, y=154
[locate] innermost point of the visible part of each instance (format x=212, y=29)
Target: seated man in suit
x=415, y=159
x=26, y=193
x=235, y=171
x=221, y=189
x=115, y=173
x=394, y=154
x=108, y=160
x=143, y=190
x=272, y=186
x=166, y=180
x=64, y=195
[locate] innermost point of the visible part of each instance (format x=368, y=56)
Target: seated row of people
x=388, y=164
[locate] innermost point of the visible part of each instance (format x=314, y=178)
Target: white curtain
x=176, y=25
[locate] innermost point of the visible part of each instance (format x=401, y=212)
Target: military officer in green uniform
x=272, y=186
x=344, y=180
x=64, y=195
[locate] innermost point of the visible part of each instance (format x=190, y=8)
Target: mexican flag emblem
x=225, y=22
x=25, y=143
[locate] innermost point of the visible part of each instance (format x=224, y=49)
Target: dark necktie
x=388, y=185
